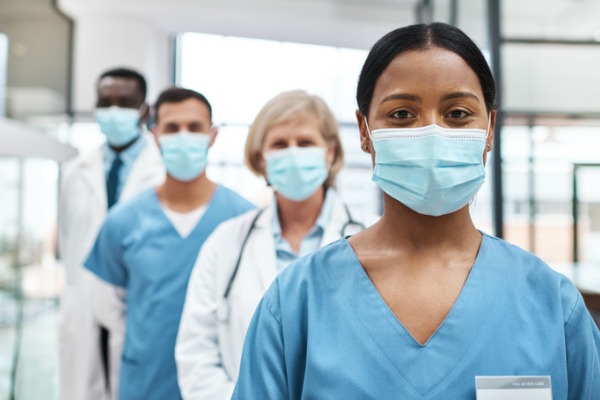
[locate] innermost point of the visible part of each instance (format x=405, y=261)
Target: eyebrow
x=458, y=95
x=401, y=96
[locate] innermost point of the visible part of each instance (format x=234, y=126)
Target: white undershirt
x=184, y=223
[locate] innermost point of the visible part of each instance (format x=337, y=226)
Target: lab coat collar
x=260, y=249
x=146, y=167
x=339, y=217
x=264, y=254
x=92, y=170
x=333, y=229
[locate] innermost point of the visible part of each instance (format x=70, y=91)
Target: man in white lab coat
x=127, y=164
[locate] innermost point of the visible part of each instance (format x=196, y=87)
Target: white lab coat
x=83, y=208
x=208, y=351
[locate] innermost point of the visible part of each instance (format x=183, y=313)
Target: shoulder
x=324, y=271
x=234, y=200
x=232, y=230
x=72, y=167
x=127, y=212
x=149, y=148
x=514, y=258
x=527, y=273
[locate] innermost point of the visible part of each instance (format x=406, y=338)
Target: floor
x=37, y=362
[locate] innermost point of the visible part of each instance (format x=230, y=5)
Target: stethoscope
x=222, y=310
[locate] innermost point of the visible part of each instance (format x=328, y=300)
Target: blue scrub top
x=322, y=331
x=139, y=249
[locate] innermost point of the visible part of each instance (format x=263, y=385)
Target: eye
x=401, y=114
x=103, y=103
x=171, y=128
x=195, y=127
x=459, y=114
x=305, y=143
x=127, y=103
x=278, y=144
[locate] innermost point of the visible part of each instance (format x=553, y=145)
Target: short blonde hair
x=286, y=107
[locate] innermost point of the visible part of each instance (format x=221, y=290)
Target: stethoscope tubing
x=222, y=311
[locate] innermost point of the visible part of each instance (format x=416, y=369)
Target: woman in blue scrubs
x=421, y=304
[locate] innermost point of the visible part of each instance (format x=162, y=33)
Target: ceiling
x=352, y=23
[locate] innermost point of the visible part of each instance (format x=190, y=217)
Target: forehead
x=306, y=124
x=187, y=110
x=427, y=71
x=113, y=85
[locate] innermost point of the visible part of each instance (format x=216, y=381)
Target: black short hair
x=129, y=74
x=177, y=95
x=422, y=36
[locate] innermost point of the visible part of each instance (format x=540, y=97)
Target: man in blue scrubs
x=149, y=245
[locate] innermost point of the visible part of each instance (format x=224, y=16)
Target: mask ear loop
x=368, y=129
x=473, y=201
x=488, y=130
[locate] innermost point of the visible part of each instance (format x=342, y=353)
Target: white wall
x=105, y=41
x=551, y=78
x=137, y=32
x=3, y=65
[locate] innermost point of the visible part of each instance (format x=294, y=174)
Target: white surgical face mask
x=120, y=125
x=297, y=172
x=432, y=170
x=184, y=154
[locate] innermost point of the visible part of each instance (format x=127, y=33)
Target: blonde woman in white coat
x=294, y=144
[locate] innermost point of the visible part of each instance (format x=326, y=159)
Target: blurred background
x=543, y=186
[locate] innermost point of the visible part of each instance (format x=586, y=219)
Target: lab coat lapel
x=146, y=171
x=261, y=252
x=337, y=220
x=92, y=171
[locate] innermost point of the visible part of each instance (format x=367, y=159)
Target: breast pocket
x=130, y=382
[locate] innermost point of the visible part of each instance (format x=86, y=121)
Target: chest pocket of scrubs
x=130, y=379
x=149, y=262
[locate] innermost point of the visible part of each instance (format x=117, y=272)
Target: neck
x=186, y=196
x=125, y=146
x=403, y=225
x=299, y=216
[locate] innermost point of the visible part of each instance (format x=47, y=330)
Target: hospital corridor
x=299, y=199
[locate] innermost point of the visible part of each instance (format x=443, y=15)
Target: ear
x=144, y=113
x=365, y=140
x=262, y=164
x=155, y=134
x=330, y=154
x=489, y=142
x=492, y=128
x=214, y=131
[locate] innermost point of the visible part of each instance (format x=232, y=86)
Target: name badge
x=513, y=387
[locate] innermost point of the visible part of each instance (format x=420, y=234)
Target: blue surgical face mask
x=297, y=172
x=184, y=154
x=120, y=125
x=432, y=170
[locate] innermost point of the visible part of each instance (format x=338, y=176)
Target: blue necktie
x=112, y=184
x=113, y=181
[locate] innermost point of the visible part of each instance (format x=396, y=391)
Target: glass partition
x=30, y=279
x=538, y=177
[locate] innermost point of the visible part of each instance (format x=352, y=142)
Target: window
x=239, y=75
